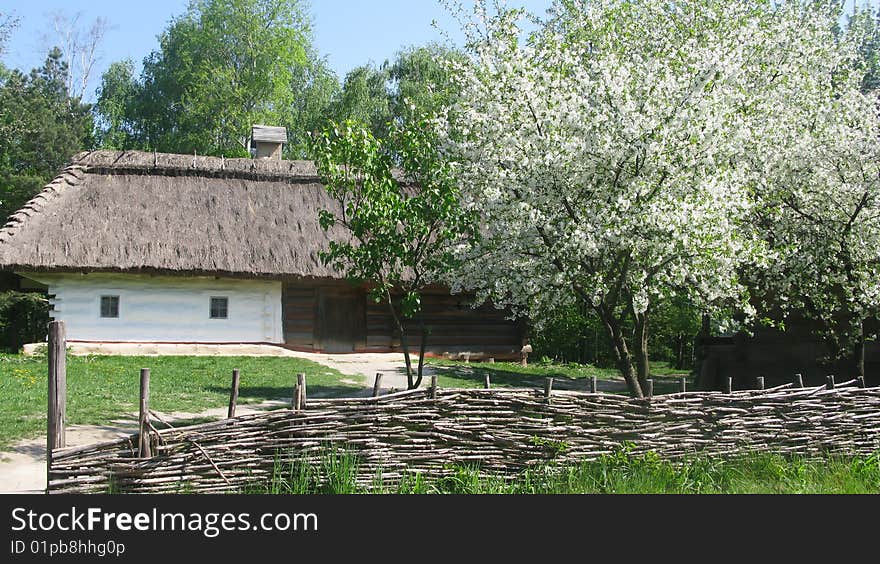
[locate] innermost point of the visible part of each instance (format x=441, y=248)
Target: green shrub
x=23, y=319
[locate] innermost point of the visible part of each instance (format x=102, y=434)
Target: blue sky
x=347, y=32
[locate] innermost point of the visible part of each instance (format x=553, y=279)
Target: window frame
x=115, y=300
x=224, y=310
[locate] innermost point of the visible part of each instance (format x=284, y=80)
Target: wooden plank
x=269, y=134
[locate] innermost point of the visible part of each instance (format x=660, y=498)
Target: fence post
x=377, y=385
x=829, y=382
x=548, y=387
x=798, y=381
x=683, y=384
x=728, y=385
x=299, y=392
x=233, y=395
x=57, y=393
x=760, y=382
x=593, y=385
x=649, y=393
x=433, y=386
x=144, y=448
x=860, y=381
x=486, y=383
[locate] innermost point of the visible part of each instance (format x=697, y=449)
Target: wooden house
x=145, y=247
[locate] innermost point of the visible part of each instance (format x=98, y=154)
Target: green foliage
x=221, y=67
x=314, y=89
x=412, y=87
x=420, y=82
x=575, y=334
x=397, y=224
x=23, y=319
x=364, y=99
x=115, y=106
x=553, y=447
x=40, y=129
x=399, y=228
x=865, y=22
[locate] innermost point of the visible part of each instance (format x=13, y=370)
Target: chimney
x=267, y=141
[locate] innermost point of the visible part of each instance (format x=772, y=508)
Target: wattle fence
x=503, y=431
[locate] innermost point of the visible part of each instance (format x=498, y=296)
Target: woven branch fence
x=502, y=430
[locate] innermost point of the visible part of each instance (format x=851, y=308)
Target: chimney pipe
x=268, y=141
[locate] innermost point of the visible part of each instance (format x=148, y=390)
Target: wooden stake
x=728, y=382
x=593, y=384
x=683, y=384
x=144, y=448
x=829, y=382
x=233, y=394
x=798, y=381
x=486, y=383
x=433, y=386
x=548, y=387
x=377, y=385
x=760, y=382
x=57, y=406
x=649, y=393
x=299, y=392
x=860, y=381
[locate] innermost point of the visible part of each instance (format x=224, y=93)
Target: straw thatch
x=138, y=211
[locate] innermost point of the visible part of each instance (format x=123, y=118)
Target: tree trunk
x=621, y=351
x=643, y=366
x=403, y=344
x=422, y=346
x=859, y=350
x=705, y=326
x=679, y=351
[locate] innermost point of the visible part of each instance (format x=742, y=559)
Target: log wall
x=455, y=327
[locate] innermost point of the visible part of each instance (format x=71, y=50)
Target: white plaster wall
x=165, y=308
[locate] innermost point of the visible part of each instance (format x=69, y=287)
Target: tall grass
x=616, y=473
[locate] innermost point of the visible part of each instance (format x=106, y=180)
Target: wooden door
x=342, y=319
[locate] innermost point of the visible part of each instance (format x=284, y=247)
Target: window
x=219, y=308
x=109, y=306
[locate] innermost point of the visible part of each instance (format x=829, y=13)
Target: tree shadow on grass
x=259, y=393
x=475, y=375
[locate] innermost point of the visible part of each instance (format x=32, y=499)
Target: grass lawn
x=457, y=374
x=617, y=473
x=101, y=389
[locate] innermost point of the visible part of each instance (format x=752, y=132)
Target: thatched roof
x=137, y=211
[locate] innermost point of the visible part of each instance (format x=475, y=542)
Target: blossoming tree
x=818, y=185
x=605, y=154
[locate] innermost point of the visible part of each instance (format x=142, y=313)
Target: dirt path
x=23, y=466
x=391, y=365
